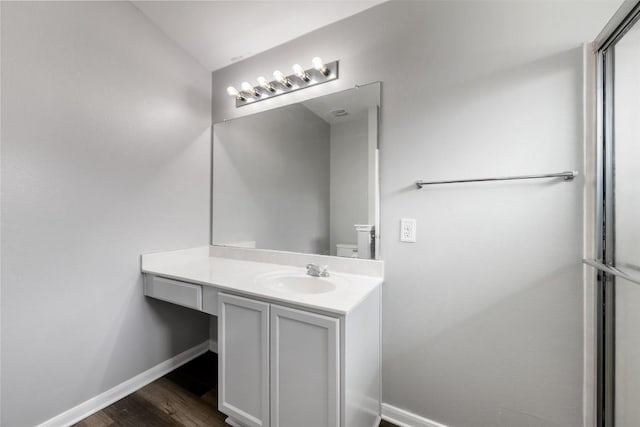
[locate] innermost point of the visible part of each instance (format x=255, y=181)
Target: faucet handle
x=324, y=270
x=314, y=269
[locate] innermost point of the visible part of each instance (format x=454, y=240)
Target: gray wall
x=105, y=155
x=482, y=317
x=349, y=179
x=271, y=181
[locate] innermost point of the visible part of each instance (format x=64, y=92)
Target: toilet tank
x=347, y=250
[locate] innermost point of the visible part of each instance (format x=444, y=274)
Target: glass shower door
x=625, y=171
x=618, y=224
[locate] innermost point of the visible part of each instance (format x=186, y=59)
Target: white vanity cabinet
x=288, y=367
x=305, y=369
x=293, y=355
x=243, y=360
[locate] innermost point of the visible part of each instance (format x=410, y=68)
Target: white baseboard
x=403, y=418
x=213, y=346
x=116, y=393
x=233, y=423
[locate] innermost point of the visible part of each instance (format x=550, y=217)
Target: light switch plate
x=408, y=230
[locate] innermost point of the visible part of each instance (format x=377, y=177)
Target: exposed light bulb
x=264, y=83
x=232, y=91
x=319, y=65
x=299, y=71
x=248, y=88
x=281, y=78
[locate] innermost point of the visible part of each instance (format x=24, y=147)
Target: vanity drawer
x=181, y=293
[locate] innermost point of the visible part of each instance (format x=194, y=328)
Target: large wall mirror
x=301, y=178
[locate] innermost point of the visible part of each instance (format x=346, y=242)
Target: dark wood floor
x=185, y=397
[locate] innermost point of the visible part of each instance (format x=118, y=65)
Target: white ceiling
x=218, y=33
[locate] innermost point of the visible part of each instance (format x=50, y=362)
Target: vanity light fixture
x=265, y=84
x=300, y=79
x=319, y=65
x=232, y=91
x=282, y=79
x=300, y=72
x=248, y=88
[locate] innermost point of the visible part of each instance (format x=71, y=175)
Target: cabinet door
x=305, y=374
x=243, y=360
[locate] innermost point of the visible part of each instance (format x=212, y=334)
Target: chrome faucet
x=316, y=270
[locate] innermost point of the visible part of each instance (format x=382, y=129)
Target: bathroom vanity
x=293, y=350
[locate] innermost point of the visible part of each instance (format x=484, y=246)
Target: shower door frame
x=625, y=18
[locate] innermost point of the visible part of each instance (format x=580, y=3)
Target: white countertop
x=239, y=276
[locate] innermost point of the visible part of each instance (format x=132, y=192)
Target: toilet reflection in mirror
x=300, y=178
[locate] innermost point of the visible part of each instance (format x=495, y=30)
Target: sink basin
x=299, y=283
